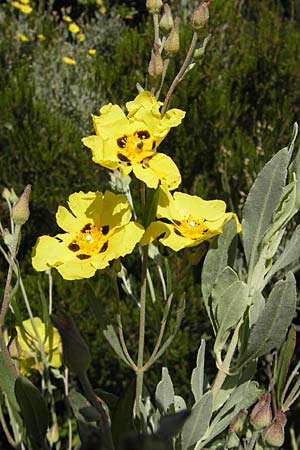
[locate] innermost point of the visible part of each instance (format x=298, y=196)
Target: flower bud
x=172, y=45
x=76, y=354
x=200, y=16
x=20, y=212
x=261, y=414
x=232, y=441
x=238, y=423
x=6, y=194
x=274, y=434
x=166, y=22
x=154, y=6
x=156, y=65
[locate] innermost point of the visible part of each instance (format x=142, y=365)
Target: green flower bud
x=166, y=22
x=156, y=65
x=20, y=212
x=154, y=6
x=200, y=16
x=172, y=44
x=232, y=441
x=274, y=434
x=261, y=414
x=238, y=423
x=76, y=354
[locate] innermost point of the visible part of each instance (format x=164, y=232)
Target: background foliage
x=241, y=101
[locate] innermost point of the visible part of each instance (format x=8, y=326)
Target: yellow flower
x=129, y=143
x=98, y=230
x=92, y=51
x=102, y=9
x=22, y=37
x=81, y=37
x=68, y=60
x=41, y=37
x=26, y=9
x=25, y=2
x=187, y=220
x=74, y=28
x=67, y=19
x=30, y=356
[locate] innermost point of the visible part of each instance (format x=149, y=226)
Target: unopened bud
x=6, y=194
x=274, y=434
x=232, y=441
x=238, y=423
x=154, y=6
x=20, y=212
x=261, y=414
x=76, y=354
x=156, y=65
x=200, y=16
x=9, y=195
x=172, y=45
x=166, y=22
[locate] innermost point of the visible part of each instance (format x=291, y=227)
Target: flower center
x=90, y=241
x=191, y=228
x=136, y=147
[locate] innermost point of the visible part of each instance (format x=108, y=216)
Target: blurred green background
x=241, y=100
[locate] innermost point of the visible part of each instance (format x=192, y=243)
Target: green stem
x=13, y=253
x=253, y=440
x=120, y=325
x=223, y=371
x=140, y=362
x=104, y=424
x=8, y=436
x=180, y=74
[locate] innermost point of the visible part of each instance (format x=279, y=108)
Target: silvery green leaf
x=112, y=338
x=198, y=421
x=225, y=279
x=241, y=398
x=164, y=394
x=257, y=305
x=230, y=308
x=290, y=254
x=261, y=203
x=284, y=361
x=197, y=379
x=218, y=257
x=7, y=383
x=273, y=322
x=179, y=403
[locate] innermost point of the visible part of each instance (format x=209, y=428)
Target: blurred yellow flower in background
x=22, y=37
x=24, y=7
x=92, y=51
x=41, y=37
x=74, y=28
x=67, y=19
x=68, y=60
x=30, y=353
x=81, y=37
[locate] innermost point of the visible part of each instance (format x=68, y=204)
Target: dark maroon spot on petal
x=177, y=222
x=162, y=235
x=153, y=145
x=177, y=232
x=73, y=247
x=205, y=230
x=58, y=239
x=122, y=141
x=104, y=247
x=139, y=145
x=143, y=134
x=165, y=220
x=86, y=227
x=83, y=256
x=123, y=158
x=105, y=229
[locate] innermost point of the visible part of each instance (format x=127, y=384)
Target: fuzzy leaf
x=33, y=409
x=197, y=423
x=197, y=379
x=112, y=338
x=273, y=322
x=225, y=279
x=164, y=394
x=284, y=361
x=122, y=415
x=261, y=203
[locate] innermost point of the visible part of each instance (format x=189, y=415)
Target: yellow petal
x=166, y=170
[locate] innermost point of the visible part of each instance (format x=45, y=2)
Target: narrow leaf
x=171, y=424
x=198, y=421
x=7, y=381
x=273, y=322
x=164, y=394
x=284, y=361
x=122, y=415
x=33, y=409
x=197, y=379
x=81, y=407
x=261, y=203
x=112, y=338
